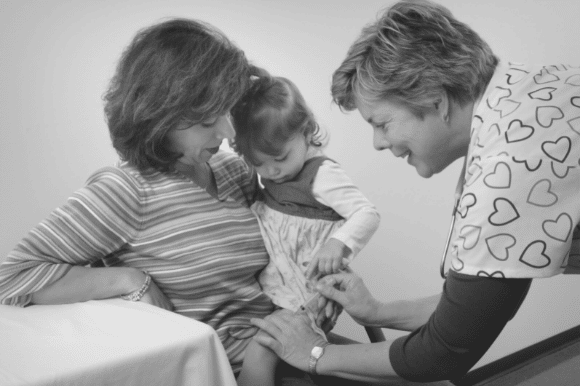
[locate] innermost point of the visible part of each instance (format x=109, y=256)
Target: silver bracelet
x=135, y=296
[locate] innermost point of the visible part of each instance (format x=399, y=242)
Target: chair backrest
x=375, y=334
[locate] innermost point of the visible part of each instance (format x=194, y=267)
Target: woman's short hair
x=272, y=112
x=173, y=73
x=415, y=51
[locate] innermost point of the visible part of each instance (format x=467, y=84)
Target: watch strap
x=315, y=355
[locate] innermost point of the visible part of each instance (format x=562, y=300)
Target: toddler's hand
x=328, y=259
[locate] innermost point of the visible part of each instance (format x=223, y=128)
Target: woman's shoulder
x=129, y=178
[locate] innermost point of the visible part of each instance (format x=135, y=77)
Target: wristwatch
x=315, y=355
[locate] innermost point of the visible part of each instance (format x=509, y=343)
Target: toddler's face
x=287, y=164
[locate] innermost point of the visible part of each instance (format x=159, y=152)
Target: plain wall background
x=56, y=58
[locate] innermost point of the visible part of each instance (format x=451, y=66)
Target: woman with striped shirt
x=171, y=220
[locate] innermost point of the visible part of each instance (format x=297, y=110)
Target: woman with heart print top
x=434, y=92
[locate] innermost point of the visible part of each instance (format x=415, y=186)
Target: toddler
x=313, y=219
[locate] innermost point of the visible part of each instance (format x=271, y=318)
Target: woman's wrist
x=138, y=293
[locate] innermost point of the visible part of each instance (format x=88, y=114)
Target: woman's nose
x=379, y=141
x=273, y=171
x=225, y=128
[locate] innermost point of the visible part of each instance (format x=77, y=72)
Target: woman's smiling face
x=427, y=143
x=199, y=142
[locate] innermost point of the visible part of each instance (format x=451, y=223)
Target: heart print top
x=519, y=211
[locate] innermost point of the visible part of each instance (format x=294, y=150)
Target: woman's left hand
x=289, y=335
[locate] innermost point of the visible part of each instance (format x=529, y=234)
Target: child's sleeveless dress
x=294, y=226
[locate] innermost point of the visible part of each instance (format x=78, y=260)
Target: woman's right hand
x=157, y=298
x=348, y=290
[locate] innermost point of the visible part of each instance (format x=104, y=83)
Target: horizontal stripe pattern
x=203, y=253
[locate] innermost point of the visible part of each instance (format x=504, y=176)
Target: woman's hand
x=157, y=298
x=348, y=290
x=289, y=335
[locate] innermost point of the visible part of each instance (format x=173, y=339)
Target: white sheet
x=108, y=342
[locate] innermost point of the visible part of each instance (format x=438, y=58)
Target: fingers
x=269, y=342
x=331, y=293
x=340, y=280
x=329, y=309
x=336, y=265
x=277, y=322
x=266, y=325
x=312, y=269
x=320, y=318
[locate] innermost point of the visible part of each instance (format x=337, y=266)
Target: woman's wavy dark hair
x=271, y=112
x=173, y=73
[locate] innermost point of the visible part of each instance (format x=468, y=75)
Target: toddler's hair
x=270, y=113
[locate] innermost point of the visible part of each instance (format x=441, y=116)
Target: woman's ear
x=443, y=107
x=308, y=138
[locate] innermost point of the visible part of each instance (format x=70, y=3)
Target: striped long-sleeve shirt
x=202, y=252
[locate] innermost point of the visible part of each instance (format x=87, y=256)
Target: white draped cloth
x=108, y=342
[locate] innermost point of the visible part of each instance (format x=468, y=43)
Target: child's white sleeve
x=333, y=188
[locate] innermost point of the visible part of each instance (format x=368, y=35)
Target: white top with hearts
x=519, y=212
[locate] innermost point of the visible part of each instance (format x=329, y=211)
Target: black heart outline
x=464, y=237
x=509, y=76
x=525, y=162
x=502, y=199
x=547, y=191
x=467, y=206
x=556, y=143
x=455, y=257
x=507, y=139
x=509, y=171
x=556, y=221
x=509, y=93
x=496, y=126
x=493, y=274
x=474, y=127
x=568, y=168
x=500, y=111
x=487, y=241
x=541, y=90
x=542, y=253
x=570, y=77
x=542, y=74
x=573, y=101
x=551, y=119
x=471, y=179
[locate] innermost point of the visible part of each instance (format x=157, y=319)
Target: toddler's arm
x=333, y=188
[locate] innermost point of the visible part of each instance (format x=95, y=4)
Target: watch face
x=317, y=352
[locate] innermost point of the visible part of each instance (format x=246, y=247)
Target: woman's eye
x=281, y=159
x=208, y=124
